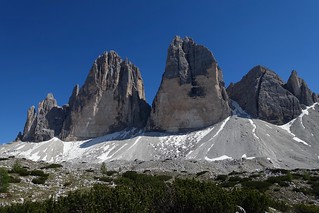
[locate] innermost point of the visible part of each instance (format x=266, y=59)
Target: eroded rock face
x=262, y=94
x=46, y=122
x=299, y=88
x=111, y=99
x=192, y=93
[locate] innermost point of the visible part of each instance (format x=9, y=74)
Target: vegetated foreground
x=28, y=186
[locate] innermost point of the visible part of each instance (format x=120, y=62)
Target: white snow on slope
x=238, y=110
x=223, y=157
x=222, y=126
x=247, y=158
x=288, y=125
x=254, y=129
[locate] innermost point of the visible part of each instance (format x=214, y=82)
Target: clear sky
x=49, y=46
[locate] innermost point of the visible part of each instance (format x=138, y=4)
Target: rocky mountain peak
x=262, y=94
x=186, y=59
x=299, y=88
x=46, y=122
x=111, y=99
x=192, y=93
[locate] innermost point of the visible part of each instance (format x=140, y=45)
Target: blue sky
x=49, y=46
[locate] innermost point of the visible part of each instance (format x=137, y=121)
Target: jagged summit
x=192, y=93
x=46, y=122
x=186, y=59
x=191, y=96
x=299, y=88
x=262, y=94
x=111, y=99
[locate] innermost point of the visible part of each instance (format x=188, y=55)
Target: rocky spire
x=261, y=93
x=299, y=88
x=192, y=93
x=46, y=123
x=111, y=99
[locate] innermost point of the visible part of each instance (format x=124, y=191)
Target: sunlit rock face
x=46, y=122
x=299, y=88
x=262, y=94
x=192, y=93
x=111, y=99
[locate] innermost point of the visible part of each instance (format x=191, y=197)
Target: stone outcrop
x=46, y=122
x=192, y=93
x=111, y=99
x=299, y=88
x=262, y=94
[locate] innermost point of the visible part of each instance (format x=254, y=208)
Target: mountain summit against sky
x=192, y=116
x=192, y=93
x=191, y=96
x=111, y=99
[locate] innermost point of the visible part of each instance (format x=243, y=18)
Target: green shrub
x=163, y=177
x=221, y=177
x=279, y=205
x=261, y=186
x=52, y=166
x=103, y=168
x=252, y=201
x=14, y=179
x=105, y=179
x=66, y=184
x=302, y=208
x=235, y=179
x=39, y=173
x=279, y=171
x=4, y=180
x=110, y=173
x=281, y=180
x=201, y=173
x=39, y=180
x=3, y=159
x=18, y=169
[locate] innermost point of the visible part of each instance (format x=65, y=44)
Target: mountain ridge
x=193, y=116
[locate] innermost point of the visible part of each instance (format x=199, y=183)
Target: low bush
x=110, y=173
x=302, y=208
x=3, y=159
x=39, y=180
x=261, y=186
x=14, y=179
x=201, y=173
x=221, y=177
x=52, y=166
x=4, y=180
x=39, y=173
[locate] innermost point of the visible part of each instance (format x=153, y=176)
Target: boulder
x=192, y=93
x=262, y=94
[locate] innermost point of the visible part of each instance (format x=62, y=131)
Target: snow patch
x=238, y=110
x=222, y=126
x=223, y=157
x=254, y=129
x=301, y=141
x=247, y=158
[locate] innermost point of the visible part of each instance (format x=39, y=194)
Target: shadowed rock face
x=299, y=88
x=46, y=123
x=261, y=93
x=192, y=93
x=111, y=99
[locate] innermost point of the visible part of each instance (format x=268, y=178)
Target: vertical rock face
x=46, y=123
x=112, y=98
x=299, y=88
x=192, y=93
x=261, y=93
